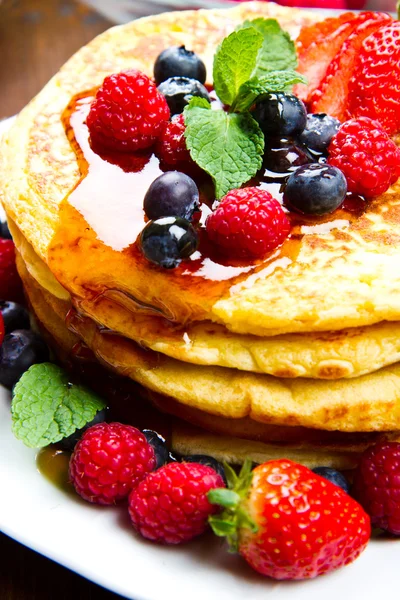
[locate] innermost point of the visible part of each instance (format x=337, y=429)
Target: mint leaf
x=278, y=52
x=235, y=61
x=256, y=88
x=228, y=146
x=46, y=407
x=198, y=101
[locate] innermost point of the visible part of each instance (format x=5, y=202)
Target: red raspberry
x=109, y=461
x=374, y=90
x=170, y=506
x=128, y=112
x=171, y=145
x=10, y=283
x=367, y=156
x=248, y=222
x=377, y=485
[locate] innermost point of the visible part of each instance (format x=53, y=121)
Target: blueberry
x=159, y=446
x=4, y=231
x=167, y=241
x=20, y=350
x=14, y=315
x=203, y=459
x=179, y=90
x=282, y=157
x=281, y=115
x=179, y=62
x=334, y=477
x=69, y=443
x=319, y=131
x=315, y=189
x=171, y=194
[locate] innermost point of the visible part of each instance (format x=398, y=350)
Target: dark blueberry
x=69, y=442
x=203, y=459
x=334, y=477
x=172, y=194
x=282, y=157
x=179, y=90
x=4, y=231
x=20, y=350
x=179, y=62
x=167, y=241
x=14, y=315
x=315, y=189
x=281, y=115
x=319, y=131
x=159, y=446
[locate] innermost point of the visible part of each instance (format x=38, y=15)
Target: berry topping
x=171, y=146
x=176, y=61
x=128, y=112
x=282, y=157
x=68, y=443
x=333, y=476
x=366, y=155
x=20, y=350
x=318, y=32
x=281, y=115
x=159, y=445
x=179, y=90
x=248, y=222
x=377, y=485
x=315, y=189
x=374, y=89
x=289, y=523
x=203, y=459
x=319, y=132
x=171, y=194
x=109, y=461
x=167, y=241
x=170, y=506
x=14, y=315
x=332, y=94
x=10, y=283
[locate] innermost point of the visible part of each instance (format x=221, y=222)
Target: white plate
x=99, y=543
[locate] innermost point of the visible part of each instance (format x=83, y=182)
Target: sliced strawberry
x=318, y=31
x=331, y=97
x=315, y=60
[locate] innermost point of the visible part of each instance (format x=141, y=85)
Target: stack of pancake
x=295, y=356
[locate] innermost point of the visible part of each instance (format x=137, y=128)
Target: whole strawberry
x=374, y=89
x=289, y=523
x=128, y=112
x=109, y=461
x=170, y=506
x=377, y=485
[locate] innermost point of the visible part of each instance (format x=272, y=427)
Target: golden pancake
x=329, y=276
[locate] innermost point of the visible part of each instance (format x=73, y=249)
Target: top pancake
x=346, y=277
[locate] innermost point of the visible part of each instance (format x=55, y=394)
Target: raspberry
x=170, y=506
x=128, y=112
x=171, y=145
x=109, y=461
x=366, y=155
x=10, y=283
x=375, y=85
x=248, y=222
x=377, y=485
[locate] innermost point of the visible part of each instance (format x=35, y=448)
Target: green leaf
x=222, y=528
x=256, y=88
x=228, y=146
x=230, y=475
x=278, y=52
x=46, y=407
x=223, y=497
x=198, y=101
x=234, y=62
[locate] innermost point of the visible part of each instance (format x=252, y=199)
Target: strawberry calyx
x=232, y=500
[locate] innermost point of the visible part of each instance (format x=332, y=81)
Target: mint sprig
x=46, y=407
x=256, y=59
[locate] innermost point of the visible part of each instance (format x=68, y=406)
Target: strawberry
x=316, y=32
x=315, y=60
x=289, y=523
x=332, y=94
x=374, y=88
